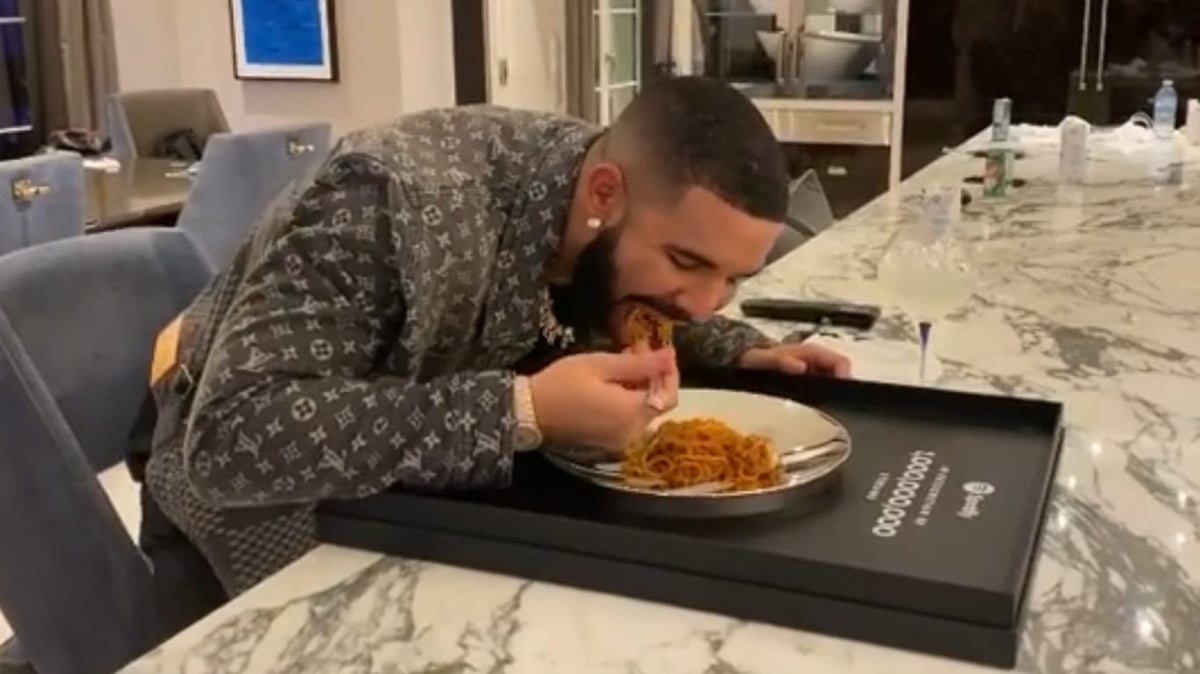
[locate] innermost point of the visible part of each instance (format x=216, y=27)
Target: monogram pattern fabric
x=364, y=337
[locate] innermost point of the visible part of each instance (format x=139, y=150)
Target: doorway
x=470, y=48
x=526, y=53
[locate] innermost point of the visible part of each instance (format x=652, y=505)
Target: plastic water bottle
x=1166, y=103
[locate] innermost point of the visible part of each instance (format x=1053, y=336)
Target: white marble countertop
x=1089, y=296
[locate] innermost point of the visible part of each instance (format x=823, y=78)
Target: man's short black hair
x=701, y=132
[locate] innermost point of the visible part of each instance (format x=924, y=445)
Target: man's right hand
x=599, y=399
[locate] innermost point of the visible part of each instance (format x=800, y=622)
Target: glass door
x=746, y=42
x=1133, y=46
x=618, y=23
x=812, y=49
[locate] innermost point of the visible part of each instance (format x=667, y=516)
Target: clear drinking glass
x=927, y=270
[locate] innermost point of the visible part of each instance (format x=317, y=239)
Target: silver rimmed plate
x=811, y=446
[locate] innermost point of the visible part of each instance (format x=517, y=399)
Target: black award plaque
x=926, y=542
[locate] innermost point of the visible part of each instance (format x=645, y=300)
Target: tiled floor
x=123, y=493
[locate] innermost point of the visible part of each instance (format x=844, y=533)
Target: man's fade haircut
x=686, y=132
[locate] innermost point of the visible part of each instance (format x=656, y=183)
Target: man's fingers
x=669, y=389
x=631, y=413
x=828, y=361
x=790, y=363
x=633, y=368
x=841, y=367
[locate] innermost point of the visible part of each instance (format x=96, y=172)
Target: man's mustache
x=667, y=309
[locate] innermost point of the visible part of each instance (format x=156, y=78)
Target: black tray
x=950, y=581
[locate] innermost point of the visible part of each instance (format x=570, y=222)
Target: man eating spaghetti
x=453, y=288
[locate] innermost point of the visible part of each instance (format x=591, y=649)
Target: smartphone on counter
x=834, y=314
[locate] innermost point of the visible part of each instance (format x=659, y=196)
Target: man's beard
x=586, y=303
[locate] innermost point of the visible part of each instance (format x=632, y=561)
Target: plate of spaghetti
x=744, y=451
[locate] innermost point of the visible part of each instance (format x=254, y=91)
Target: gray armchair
x=42, y=198
x=808, y=215
x=78, y=319
x=239, y=177
x=137, y=121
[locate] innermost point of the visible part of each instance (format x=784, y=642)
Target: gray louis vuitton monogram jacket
x=364, y=336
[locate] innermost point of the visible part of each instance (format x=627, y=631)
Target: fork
x=654, y=395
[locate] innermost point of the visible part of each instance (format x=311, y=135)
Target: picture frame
x=290, y=40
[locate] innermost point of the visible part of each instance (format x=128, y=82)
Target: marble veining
x=1087, y=295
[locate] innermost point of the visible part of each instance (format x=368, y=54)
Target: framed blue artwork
x=284, y=40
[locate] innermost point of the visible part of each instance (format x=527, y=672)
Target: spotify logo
x=979, y=488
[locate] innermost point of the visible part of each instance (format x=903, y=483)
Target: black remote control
x=838, y=314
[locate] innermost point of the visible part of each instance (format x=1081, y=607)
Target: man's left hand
x=812, y=359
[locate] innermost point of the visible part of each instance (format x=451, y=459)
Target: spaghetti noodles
x=646, y=326
x=699, y=451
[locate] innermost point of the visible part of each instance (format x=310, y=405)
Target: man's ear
x=606, y=191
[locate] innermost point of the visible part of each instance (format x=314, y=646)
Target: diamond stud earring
x=594, y=223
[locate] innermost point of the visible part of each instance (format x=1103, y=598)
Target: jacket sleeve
x=288, y=410
x=716, y=342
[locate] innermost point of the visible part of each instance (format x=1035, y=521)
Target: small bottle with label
x=997, y=172
x=1001, y=120
x=1072, y=157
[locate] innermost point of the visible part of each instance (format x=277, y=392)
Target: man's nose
x=702, y=301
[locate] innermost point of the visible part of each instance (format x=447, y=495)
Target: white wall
x=425, y=45
x=395, y=56
x=144, y=36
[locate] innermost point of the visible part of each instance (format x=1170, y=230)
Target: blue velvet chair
x=137, y=121
x=78, y=319
x=239, y=177
x=42, y=199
